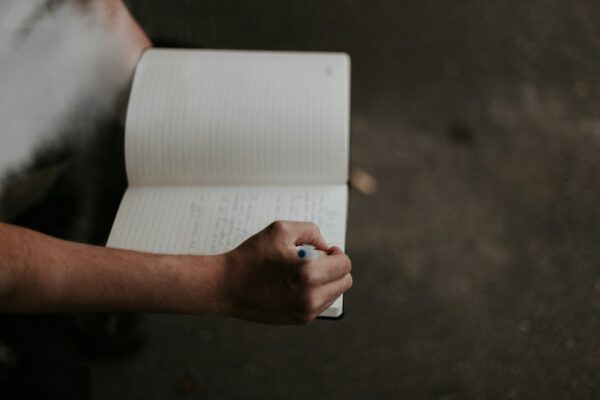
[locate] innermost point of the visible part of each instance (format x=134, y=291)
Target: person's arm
x=262, y=280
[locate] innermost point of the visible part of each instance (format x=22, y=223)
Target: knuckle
x=313, y=226
x=280, y=227
x=275, y=226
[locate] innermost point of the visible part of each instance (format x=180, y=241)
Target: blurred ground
x=476, y=261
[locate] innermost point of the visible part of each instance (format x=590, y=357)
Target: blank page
x=235, y=117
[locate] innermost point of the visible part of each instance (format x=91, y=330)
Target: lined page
x=234, y=117
x=216, y=219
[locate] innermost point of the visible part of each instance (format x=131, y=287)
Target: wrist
x=204, y=285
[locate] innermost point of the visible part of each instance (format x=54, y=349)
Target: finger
x=333, y=290
x=326, y=269
x=309, y=233
x=325, y=307
x=335, y=250
x=299, y=233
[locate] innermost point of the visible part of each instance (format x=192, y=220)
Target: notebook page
x=216, y=219
x=235, y=117
x=213, y=220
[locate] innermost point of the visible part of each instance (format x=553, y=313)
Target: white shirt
x=53, y=60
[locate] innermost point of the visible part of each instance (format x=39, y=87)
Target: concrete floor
x=476, y=261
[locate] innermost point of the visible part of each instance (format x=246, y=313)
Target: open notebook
x=219, y=144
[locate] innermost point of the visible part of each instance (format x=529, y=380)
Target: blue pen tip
x=301, y=253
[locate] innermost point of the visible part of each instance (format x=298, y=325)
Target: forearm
x=39, y=273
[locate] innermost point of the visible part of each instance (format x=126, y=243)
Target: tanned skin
x=262, y=280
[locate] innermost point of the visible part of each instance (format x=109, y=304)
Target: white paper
x=223, y=117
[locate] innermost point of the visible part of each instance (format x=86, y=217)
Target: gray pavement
x=476, y=261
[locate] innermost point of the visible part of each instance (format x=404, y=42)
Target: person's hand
x=266, y=281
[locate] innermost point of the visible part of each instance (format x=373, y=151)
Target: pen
x=308, y=252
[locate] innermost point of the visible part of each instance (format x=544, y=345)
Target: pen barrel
x=309, y=252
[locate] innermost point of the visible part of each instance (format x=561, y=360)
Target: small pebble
x=363, y=182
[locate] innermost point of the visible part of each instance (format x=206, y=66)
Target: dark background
x=476, y=261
